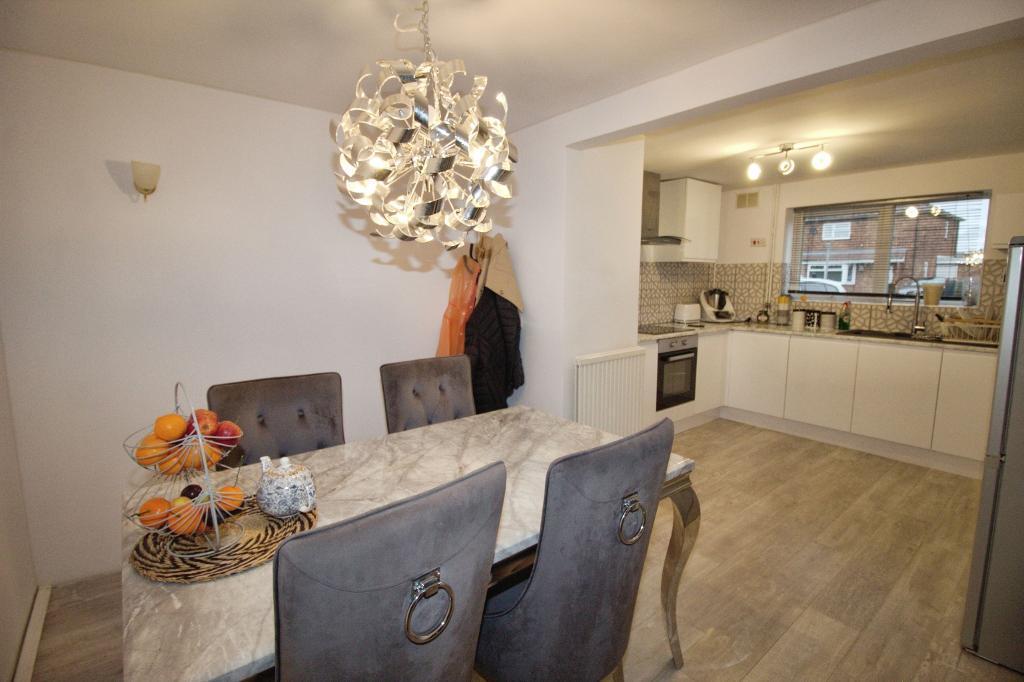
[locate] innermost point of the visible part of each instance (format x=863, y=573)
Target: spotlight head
x=787, y=166
x=753, y=170
x=821, y=160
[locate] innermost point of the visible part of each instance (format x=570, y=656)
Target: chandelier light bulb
x=787, y=165
x=754, y=170
x=821, y=160
x=911, y=212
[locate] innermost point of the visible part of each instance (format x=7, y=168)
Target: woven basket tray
x=151, y=557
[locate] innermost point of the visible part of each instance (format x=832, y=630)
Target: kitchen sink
x=903, y=336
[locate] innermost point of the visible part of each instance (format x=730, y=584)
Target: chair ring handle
x=630, y=504
x=424, y=587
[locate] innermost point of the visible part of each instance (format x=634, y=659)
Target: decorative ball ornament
x=419, y=152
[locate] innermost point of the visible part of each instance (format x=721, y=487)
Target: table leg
x=685, y=526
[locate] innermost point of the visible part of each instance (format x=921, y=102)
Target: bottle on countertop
x=845, y=316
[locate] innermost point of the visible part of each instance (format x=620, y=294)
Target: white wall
x=17, y=573
x=239, y=266
x=602, y=264
x=1003, y=175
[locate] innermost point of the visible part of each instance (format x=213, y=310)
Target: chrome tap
x=914, y=326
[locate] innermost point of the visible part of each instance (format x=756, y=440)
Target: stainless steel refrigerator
x=994, y=618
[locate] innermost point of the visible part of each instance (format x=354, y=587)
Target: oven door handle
x=681, y=356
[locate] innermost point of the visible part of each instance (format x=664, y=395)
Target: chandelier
x=419, y=153
x=820, y=161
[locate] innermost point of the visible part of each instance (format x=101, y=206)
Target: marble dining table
x=224, y=629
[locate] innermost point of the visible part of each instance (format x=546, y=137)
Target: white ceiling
x=549, y=56
x=960, y=106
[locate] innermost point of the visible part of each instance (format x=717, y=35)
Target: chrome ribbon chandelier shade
x=419, y=152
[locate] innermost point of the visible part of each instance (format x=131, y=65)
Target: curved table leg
x=685, y=526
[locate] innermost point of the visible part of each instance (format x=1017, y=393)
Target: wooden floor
x=814, y=562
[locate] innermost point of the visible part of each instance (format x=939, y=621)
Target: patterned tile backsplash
x=662, y=285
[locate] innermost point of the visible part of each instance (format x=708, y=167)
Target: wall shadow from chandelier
x=414, y=257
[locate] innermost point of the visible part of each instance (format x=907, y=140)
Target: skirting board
x=695, y=420
x=932, y=459
x=33, y=633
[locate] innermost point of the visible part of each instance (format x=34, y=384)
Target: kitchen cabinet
x=691, y=209
x=964, y=405
x=756, y=374
x=711, y=354
x=820, y=382
x=896, y=392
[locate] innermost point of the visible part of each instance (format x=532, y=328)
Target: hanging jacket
x=461, y=300
x=492, y=344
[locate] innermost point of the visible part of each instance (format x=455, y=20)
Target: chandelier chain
x=424, y=28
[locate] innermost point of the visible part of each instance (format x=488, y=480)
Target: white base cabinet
x=820, y=382
x=756, y=374
x=964, y=406
x=896, y=393
x=711, y=355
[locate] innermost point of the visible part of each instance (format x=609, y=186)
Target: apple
x=179, y=501
x=207, y=420
x=228, y=434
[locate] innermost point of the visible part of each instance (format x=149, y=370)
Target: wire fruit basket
x=182, y=498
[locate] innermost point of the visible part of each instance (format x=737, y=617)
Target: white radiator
x=609, y=390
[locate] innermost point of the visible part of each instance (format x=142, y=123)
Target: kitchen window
x=862, y=247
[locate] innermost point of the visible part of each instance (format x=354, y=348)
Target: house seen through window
x=861, y=248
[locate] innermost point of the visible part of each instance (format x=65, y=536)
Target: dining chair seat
x=283, y=415
x=570, y=618
x=394, y=594
x=428, y=391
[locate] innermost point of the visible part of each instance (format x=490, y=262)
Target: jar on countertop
x=286, y=489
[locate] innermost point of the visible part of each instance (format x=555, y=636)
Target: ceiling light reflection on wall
x=911, y=212
x=754, y=170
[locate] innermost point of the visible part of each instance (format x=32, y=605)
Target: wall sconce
x=144, y=177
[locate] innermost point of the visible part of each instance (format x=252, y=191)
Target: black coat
x=492, y=344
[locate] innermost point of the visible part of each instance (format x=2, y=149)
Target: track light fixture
x=820, y=161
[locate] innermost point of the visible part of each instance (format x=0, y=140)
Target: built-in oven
x=677, y=371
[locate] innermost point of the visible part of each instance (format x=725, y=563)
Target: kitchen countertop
x=723, y=327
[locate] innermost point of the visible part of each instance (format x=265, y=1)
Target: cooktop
x=655, y=329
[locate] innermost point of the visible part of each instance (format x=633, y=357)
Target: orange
x=213, y=455
x=150, y=450
x=170, y=426
x=184, y=519
x=229, y=498
x=153, y=512
x=189, y=455
x=172, y=463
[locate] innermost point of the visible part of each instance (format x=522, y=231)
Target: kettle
x=286, y=489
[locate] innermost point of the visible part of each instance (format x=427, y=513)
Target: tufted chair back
x=570, y=619
x=394, y=594
x=284, y=415
x=427, y=391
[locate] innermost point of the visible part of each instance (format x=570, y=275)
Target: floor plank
x=814, y=562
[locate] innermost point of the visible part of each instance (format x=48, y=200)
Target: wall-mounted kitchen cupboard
x=690, y=210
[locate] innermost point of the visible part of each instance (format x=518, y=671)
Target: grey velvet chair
x=570, y=619
x=394, y=594
x=283, y=415
x=427, y=391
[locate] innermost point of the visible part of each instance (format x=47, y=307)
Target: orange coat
x=461, y=301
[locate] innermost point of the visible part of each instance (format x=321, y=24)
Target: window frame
x=851, y=209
